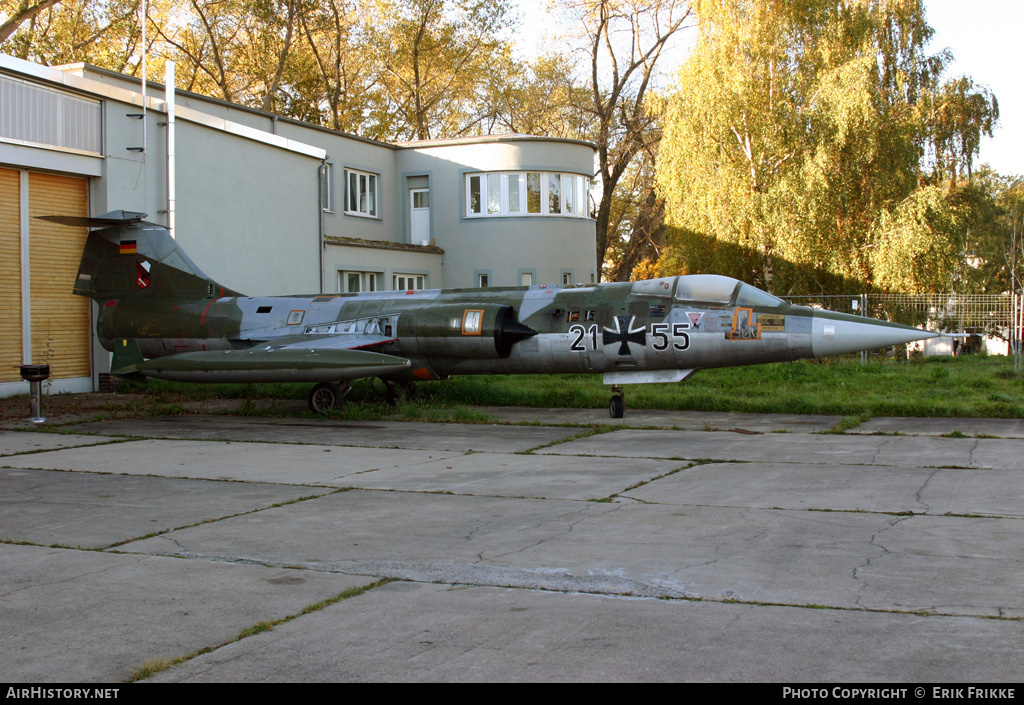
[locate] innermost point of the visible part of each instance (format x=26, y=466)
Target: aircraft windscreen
x=752, y=296
x=705, y=287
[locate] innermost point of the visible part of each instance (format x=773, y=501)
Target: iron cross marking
x=625, y=334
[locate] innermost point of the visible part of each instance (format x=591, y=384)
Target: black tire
x=617, y=406
x=324, y=397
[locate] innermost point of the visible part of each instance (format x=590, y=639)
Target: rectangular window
x=327, y=188
x=354, y=282
x=483, y=280
x=409, y=282
x=526, y=279
x=493, y=194
x=554, y=193
x=473, y=199
x=361, y=194
x=514, y=193
x=533, y=192
x=502, y=194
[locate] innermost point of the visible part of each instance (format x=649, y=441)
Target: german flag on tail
x=128, y=247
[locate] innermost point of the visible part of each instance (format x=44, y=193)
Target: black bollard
x=35, y=375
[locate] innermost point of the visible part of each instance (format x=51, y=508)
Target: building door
x=420, y=215
x=43, y=322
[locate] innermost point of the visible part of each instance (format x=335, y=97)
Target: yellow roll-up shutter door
x=60, y=320
x=10, y=275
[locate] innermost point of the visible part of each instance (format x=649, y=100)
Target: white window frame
x=410, y=282
x=362, y=206
x=327, y=188
x=368, y=281
x=505, y=194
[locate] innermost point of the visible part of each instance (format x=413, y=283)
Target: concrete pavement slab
x=801, y=448
x=78, y=616
x=379, y=434
x=94, y=511
x=528, y=475
x=372, y=468
x=686, y=420
x=777, y=556
x=282, y=463
x=14, y=442
x=408, y=632
x=876, y=488
x=930, y=577
x=999, y=428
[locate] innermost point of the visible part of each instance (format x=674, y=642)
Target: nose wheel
x=617, y=405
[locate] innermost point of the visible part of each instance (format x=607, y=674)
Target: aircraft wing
x=301, y=358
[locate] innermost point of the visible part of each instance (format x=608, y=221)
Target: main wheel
x=324, y=397
x=617, y=406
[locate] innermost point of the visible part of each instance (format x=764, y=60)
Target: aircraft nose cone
x=839, y=333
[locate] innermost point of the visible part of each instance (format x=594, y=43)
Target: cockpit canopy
x=714, y=288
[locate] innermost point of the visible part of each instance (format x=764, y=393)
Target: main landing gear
x=617, y=405
x=396, y=392
x=328, y=395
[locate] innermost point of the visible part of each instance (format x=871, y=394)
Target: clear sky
x=985, y=37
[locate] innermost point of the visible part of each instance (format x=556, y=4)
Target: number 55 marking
x=680, y=338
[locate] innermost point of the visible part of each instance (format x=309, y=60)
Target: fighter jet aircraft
x=162, y=317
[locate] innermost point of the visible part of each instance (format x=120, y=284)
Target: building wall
x=248, y=214
x=505, y=246
x=248, y=203
x=384, y=262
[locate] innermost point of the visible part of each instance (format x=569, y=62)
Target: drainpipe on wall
x=169, y=108
x=321, y=175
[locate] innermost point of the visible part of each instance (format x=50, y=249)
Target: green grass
x=971, y=386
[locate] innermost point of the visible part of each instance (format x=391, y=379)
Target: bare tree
x=625, y=39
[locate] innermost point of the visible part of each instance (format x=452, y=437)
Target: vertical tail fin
x=132, y=257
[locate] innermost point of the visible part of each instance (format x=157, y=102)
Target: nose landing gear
x=617, y=405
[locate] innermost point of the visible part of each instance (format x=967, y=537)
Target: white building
x=264, y=204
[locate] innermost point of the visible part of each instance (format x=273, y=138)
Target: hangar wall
x=264, y=204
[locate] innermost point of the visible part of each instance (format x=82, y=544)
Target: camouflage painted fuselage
x=163, y=317
x=634, y=332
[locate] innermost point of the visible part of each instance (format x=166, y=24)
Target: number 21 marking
x=580, y=332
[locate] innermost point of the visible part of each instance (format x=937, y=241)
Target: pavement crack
x=882, y=551
x=580, y=514
x=918, y=495
x=970, y=456
x=73, y=578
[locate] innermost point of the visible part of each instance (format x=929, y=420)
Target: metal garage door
x=58, y=323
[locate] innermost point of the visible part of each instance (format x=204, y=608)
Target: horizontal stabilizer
x=106, y=220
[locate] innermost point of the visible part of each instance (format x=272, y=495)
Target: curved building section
x=508, y=210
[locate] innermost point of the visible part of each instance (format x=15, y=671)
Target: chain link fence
x=971, y=318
